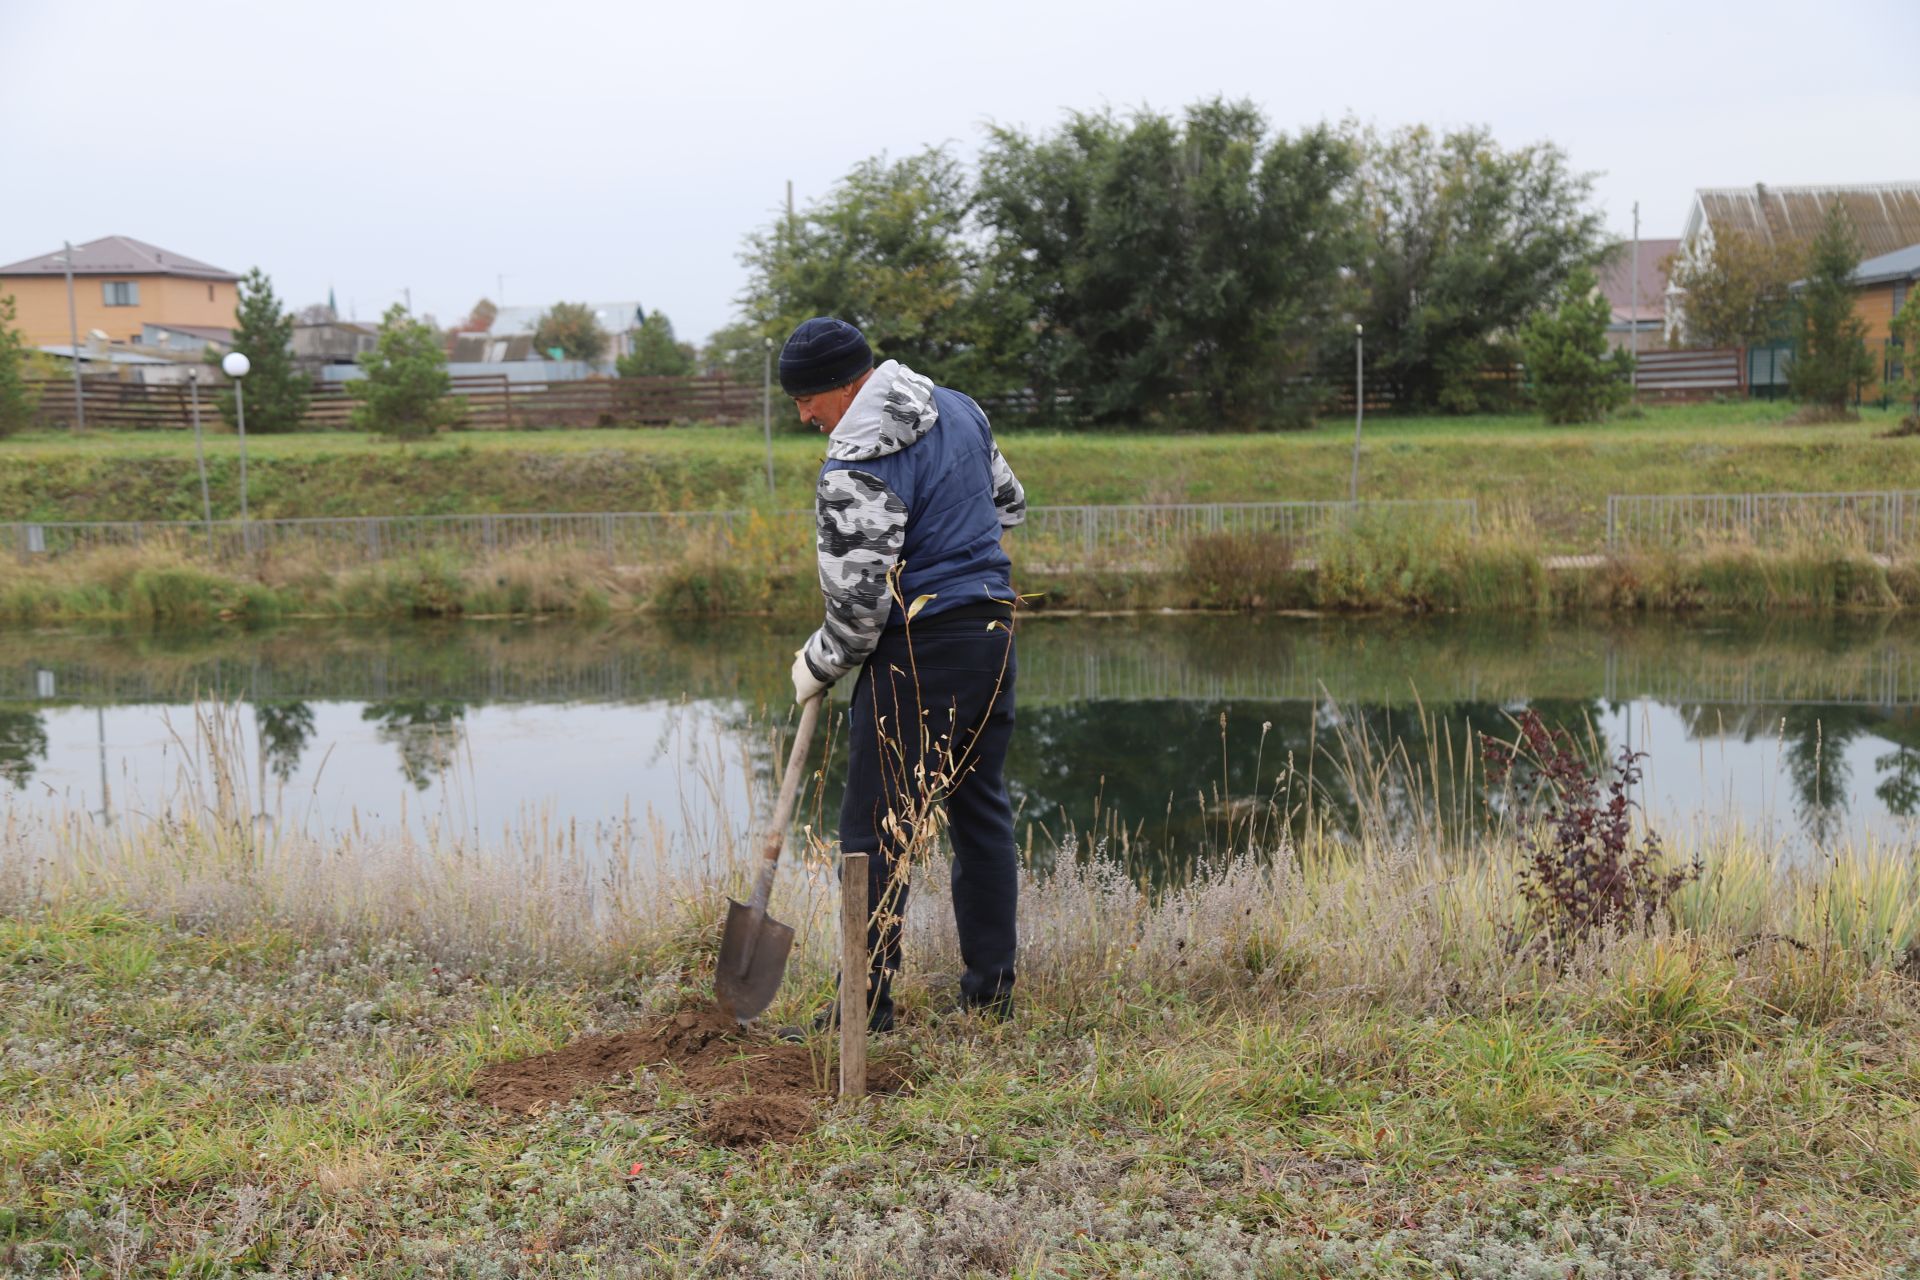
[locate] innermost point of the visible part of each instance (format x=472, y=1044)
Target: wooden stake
x=853, y=975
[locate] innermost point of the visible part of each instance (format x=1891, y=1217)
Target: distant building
x=1885, y=215
x=332, y=342
x=490, y=348
x=1617, y=286
x=118, y=364
x=618, y=319
x=192, y=339
x=120, y=286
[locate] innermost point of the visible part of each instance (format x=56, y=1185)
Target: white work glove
x=805, y=683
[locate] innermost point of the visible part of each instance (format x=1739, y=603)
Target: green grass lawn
x=1559, y=476
x=208, y=1102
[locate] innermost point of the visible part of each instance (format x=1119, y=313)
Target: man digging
x=911, y=503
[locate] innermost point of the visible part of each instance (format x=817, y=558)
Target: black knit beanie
x=823, y=353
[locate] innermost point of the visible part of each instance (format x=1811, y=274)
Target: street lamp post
x=200, y=457
x=236, y=365
x=766, y=411
x=1359, y=409
x=73, y=341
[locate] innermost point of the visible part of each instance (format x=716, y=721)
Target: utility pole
x=406, y=291
x=1633, y=322
x=1359, y=408
x=73, y=345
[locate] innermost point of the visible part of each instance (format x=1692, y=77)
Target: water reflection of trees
x=426, y=731
x=23, y=743
x=1167, y=779
x=285, y=729
x=1813, y=744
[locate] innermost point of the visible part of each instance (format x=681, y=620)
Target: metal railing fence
x=1145, y=531
x=1125, y=533
x=1883, y=522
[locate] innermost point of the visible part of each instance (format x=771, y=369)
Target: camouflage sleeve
x=1008, y=496
x=862, y=525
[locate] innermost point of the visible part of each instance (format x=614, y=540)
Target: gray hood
x=893, y=410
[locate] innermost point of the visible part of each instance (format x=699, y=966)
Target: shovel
x=753, y=950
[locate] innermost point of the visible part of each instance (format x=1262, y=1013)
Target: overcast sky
x=620, y=150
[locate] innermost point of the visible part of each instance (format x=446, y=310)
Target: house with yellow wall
x=120, y=286
x=1884, y=284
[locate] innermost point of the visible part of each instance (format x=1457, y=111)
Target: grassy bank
x=1558, y=477
x=1372, y=566
x=223, y=1055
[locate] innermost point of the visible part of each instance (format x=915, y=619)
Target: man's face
x=823, y=409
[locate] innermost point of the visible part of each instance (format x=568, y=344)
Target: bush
x=404, y=392
x=17, y=400
x=1588, y=876
x=1906, y=336
x=1241, y=570
x=1574, y=376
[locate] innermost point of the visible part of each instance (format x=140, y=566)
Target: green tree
x=404, y=392
x=739, y=351
x=1183, y=269
x=17, y=399
x=1830, y=351
x=1574, y=376
x=1463, y=241
x=886, y=249
x=277, y=390
x=1737, y=290
x=573, y=329
x=480, y=319
x=1906, y=337
x=656, y=353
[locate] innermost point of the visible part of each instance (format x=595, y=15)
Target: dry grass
x=227, y=1048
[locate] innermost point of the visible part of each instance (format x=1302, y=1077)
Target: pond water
x=1151, y=733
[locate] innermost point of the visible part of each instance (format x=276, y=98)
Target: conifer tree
x=1573, y=375
x=277, y=391
x=1830, y=357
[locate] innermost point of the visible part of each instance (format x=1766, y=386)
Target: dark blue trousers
x=931, y=718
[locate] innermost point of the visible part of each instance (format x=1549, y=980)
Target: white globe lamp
x=235, y=365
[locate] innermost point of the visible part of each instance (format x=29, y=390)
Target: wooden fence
x=1698, y=374
x=487, y=403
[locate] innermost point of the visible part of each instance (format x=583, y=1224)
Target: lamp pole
x=73, y=343
x=236, y=365
x=766, y=410
x=200, y=457
x=1359, y=409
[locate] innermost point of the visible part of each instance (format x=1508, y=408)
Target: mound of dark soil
x=760, y=1089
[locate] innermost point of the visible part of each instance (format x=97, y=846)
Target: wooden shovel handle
x=783, y=809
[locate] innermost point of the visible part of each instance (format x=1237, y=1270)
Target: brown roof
x=118, y=256
x=1616, y=279
x=1886, y=214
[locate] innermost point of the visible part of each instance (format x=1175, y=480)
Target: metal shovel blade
x=744, y=992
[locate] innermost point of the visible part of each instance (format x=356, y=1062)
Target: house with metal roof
x=119, y=286
x=1639, y=304
x=1885, y=216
